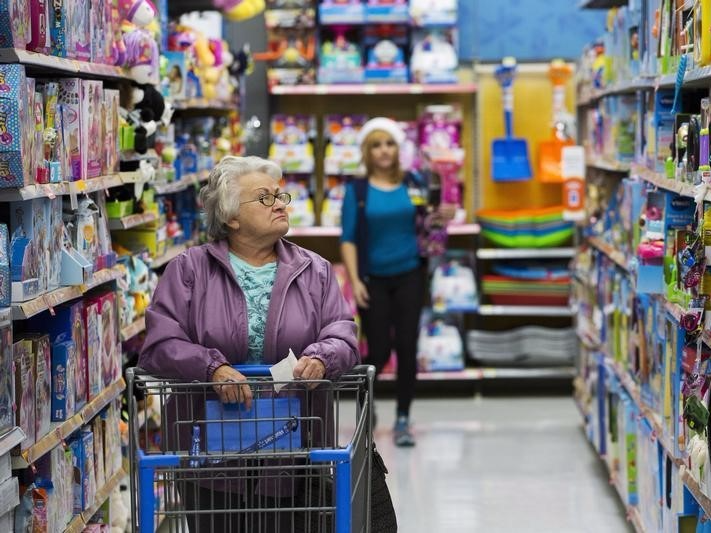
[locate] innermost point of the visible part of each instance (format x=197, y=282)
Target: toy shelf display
x=354, y=42
x=641, y=278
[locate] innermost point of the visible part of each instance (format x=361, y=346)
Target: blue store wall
x=530, y=30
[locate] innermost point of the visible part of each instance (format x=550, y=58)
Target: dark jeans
x=392, y=321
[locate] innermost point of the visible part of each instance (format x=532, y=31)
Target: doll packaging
x=15, y=28
x=42, y=351
x=74, y=115
x=93, y=102
x=63, y=382
x=16, y=125
x=7, y=379
x=29, y=246
x=5, y=287
x=91, y=318
x=25, y=390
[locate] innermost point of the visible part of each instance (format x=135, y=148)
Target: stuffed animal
x=119, y=512
x=138, y=12
x=240, y=9
x=139, y=280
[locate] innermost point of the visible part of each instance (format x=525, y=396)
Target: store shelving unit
x=10, y=439
x=335, y=231
x=60, y=431
x=525, y=310
x=131, y=221
x=60, y=64
x=80, y=521
x=525, y=253
x=51, y=190
x=49, y=300
x=374, y=89
x=135, y=328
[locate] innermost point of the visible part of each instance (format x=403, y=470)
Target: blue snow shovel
x=509, y=159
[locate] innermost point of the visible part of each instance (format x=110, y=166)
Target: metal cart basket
x=299, y=460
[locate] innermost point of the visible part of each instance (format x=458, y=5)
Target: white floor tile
x=498, y=465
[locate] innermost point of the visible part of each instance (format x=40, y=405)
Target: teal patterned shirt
x=256, y=284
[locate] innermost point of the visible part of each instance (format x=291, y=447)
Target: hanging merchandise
x=439, y=346
x=238, y=10
x=550, y=152
x=509, y=158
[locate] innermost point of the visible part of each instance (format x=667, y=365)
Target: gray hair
x=221, y=196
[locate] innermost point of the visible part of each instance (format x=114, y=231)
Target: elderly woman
x=248, y=296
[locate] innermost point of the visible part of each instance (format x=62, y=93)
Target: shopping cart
x=298, y=461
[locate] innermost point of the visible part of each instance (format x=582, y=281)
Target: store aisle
x=498, y=465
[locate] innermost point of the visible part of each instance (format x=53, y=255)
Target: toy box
x=29, y=246
x=176, y=68
x=92, y=338
x=111, y=122
x=40, y=168
x=101, y=27
x=343, y=151
x=93, y=94
x=291, y=55
x=340, y=56
x=154, y=240
x=290, y=14
x=77, y=29
x=15, y=29
x=73, y=100
x=434, y=56
x=7, y=379
x=42, y=376
x=439, y=346
x=111, y=419
x=5, y=277
x=64, y=382
x=301, y=208
x=386, y=56
x=453, y=283
x=88, y=474
x=291, y=146
x=433, y=12
x=24, y=390
x=56, y=242
x=76, y=444
x=58, y=28
x=387, y=12
x=16, y=126
x=341, y=12
x=100, y=471
x=108, y=329
x=39, y=29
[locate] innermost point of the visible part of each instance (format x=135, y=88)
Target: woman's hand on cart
x=309, y=368
x=232, y=393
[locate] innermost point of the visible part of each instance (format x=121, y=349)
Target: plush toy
x=118, y=511
x=240, y=9
x=143, y=64
x=138, y=12
x=139, y=283
x=126, y=301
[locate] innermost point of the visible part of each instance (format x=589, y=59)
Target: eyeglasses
x=268, y=200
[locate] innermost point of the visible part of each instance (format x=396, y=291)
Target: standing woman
x=379, y=249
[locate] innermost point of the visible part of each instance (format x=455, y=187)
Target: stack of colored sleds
x=525, y=228
x=529, y=283
x=526, y=346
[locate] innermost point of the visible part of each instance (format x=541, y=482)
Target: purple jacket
x=197, y=320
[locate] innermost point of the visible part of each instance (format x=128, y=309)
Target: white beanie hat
x=382, y=124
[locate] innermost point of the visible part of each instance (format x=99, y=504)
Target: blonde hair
x=221, y=196
x=366, y=147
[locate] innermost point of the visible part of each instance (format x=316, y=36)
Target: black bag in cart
x=382, y=512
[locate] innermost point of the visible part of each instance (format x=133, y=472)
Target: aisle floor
x=498, y=465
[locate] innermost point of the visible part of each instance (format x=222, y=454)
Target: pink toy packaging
x=29, y=229
x=93, y=92
x=98, y=428
x=7, y=379
x=39, y=17
x=88, y=479
x=78, y=30
x=111, y=125
x=40, y=166
x=67, y=325
x=101, y=31
x=43, y=385
x=24, y=390
x=92, y=338
x=14, y=23
x=16, y=126
x=56, y=241
x=63, y=382
x=108, y=328
x=73, y=116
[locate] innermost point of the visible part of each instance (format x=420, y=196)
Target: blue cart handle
x=253, y=370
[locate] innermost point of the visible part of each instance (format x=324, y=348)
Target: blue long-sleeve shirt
x=392, y=241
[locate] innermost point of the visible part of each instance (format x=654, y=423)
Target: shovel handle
x=508, y=110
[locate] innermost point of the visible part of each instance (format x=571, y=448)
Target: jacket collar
x=289, y=256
